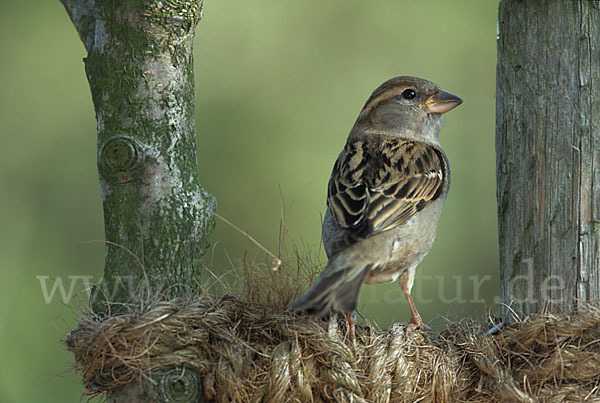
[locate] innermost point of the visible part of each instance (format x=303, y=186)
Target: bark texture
x=548, y=153
x=157, y=216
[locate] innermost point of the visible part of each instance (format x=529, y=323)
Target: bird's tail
x=335, y=289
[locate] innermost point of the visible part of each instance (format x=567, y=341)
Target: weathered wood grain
x=548, y=153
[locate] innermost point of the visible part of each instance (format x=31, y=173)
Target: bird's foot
x=351, y=319
x=416, y=323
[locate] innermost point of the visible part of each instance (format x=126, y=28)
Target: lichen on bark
x=158, y=218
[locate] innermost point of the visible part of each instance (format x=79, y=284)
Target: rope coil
x=246, y=353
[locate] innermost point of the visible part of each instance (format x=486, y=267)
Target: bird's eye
x=409, y=94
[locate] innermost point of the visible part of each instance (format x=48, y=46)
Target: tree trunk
x=548, y=153
x=157, y=216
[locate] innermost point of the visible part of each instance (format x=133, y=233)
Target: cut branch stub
x=178, y=385
x=119, y=158
x=165, y=385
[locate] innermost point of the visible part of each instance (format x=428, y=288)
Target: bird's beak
x=441, y=102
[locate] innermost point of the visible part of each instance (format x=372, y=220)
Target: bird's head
x=409, y=107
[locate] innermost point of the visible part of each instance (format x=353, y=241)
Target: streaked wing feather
x=379, y=183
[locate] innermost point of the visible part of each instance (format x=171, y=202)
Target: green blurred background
x=278, y=86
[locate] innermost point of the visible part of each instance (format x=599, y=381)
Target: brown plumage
x=374, y=187
x=384, y=197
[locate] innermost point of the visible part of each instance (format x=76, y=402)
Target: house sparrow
x=384, y=198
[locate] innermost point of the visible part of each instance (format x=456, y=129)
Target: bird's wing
x=378, y=184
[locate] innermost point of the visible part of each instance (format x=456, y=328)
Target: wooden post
x=548, y=153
